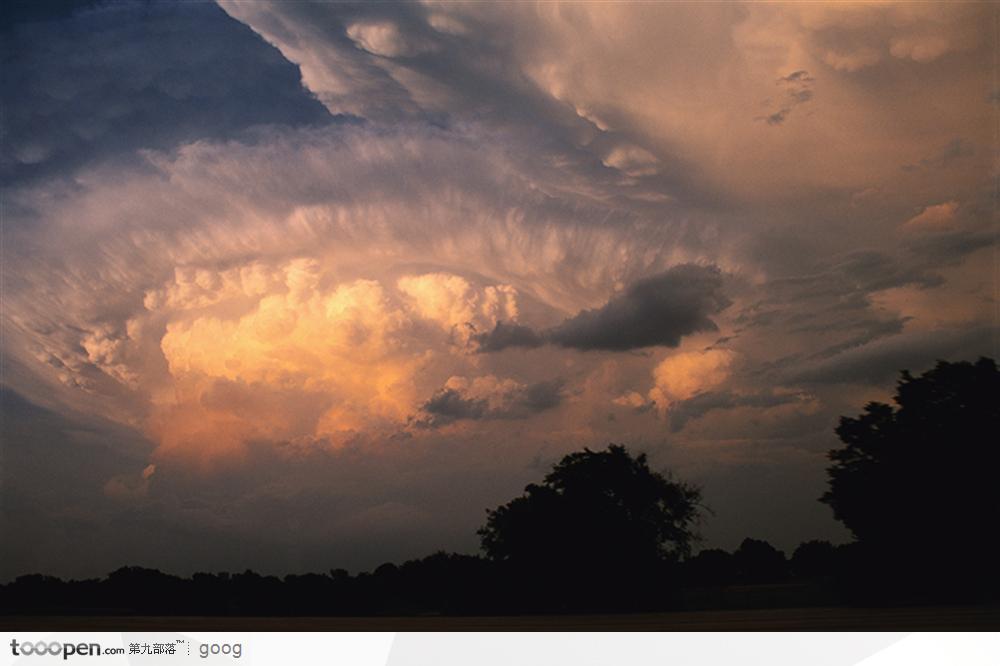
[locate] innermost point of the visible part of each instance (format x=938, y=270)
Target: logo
x=55, y=648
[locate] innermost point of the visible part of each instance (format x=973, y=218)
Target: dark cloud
x=96, y=82
x=449, y=405
x=694, y=408
x=800, y=76
x=543, y=395
x=797, y=89
x=778, y=117
x=506, y=335
x=956, y=149
x=879, y=362
x=952, y=246
x=28, y=11
x=54, y=468
x=838, y=297
x=656, y=311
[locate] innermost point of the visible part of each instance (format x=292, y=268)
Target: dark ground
x=944, y=618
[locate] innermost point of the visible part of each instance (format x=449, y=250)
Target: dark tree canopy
x=712, y=566
x=599, y=507
x=917, y=482
x=759, y=562
x=814, y=559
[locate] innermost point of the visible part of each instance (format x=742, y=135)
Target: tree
x=759, y=562
x=917, y=484
x=600, y=522
x=713, y=566
x=814, y=560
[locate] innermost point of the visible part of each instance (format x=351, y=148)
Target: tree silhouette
x=917, y=484
x=710, y=567
x=814, y=559
x=759, y=562
x=599, y=524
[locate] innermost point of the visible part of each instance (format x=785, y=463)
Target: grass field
x=951, y=618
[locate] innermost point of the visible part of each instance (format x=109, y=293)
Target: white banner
x=502, y=649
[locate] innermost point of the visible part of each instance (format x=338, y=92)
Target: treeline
x=442, y=583
x=915, y=483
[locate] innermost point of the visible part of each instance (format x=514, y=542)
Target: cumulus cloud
x=300, y=313
x=682, y=376
x=456, y=305
x=655, y=311
x=303, y=362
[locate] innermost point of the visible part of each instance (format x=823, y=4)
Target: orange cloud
x=682, y=376
x=453, y=303
x=933, y=217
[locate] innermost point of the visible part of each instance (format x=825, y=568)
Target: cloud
x=456, y=305
x=448, y=405
x=87, y=91
x=701, y=404
x=127, y=488
x=936, y=217
x=852, y=61
x=504, y=336
x=383, y=38
x=956, y=149
x=682, y=376
x=881, y=361
x=655, y=311
x=263, y=261
x=307, y=310
x=487, y=397
x=797, y=89
x=632, y=161
x=798, y=76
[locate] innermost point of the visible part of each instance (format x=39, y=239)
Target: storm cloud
x=326, y=267
x=655, y=311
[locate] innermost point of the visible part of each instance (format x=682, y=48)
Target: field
x=952, y=618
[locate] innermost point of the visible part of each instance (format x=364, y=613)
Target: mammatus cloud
x=655, y=311
x=599, y=97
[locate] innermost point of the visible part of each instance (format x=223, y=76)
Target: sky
x=299, y=286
